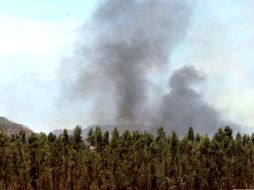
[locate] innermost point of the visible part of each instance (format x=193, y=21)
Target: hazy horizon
x=54, y=70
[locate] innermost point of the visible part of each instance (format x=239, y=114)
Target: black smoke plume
x=111, y=68
x=184, y=107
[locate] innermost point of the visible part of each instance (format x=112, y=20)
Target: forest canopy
x=129, y=160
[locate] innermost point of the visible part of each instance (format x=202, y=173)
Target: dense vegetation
x=132, y=160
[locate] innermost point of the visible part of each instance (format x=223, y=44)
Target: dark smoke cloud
x=130, y=38
x=111, y=69
x=183, y=107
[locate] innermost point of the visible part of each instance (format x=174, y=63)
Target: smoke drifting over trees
x=184, y=107
x=111, y=68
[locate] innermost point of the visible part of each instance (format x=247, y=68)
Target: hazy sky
x=37, y=36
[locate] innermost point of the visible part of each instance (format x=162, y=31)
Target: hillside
x=11, y=128
x=110, y=128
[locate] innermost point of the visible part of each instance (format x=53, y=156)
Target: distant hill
x=11, y=128
x=120, y=127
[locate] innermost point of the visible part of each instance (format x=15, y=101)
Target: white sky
x=34, y=39
x=36, y=36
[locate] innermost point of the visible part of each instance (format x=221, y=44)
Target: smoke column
x=111, y=67
x=183, y=107
x=130, y=37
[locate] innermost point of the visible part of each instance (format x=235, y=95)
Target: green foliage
x=190, y=134
x=128, y=160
